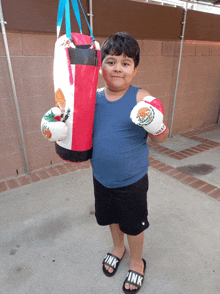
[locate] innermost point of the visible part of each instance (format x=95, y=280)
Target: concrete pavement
x=50, y=242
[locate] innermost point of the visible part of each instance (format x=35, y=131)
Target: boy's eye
x=111, y=62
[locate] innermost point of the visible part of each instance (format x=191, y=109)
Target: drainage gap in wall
x=199, y=169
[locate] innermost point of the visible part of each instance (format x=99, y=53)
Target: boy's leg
x=136, y=263
x=118, y=241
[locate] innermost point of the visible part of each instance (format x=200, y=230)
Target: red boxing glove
x=149, y=114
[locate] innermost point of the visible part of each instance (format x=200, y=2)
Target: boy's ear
x=135, y=71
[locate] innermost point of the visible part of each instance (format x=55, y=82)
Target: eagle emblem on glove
x=145, y=115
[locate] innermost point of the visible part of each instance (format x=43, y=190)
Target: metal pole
x=178, y=71
x=26, y=167
x=90, y=15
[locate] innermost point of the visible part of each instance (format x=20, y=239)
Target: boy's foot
x=138, y=267
x=119, y=253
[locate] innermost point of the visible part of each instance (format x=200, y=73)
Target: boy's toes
x=109, y=269
x=130, y=286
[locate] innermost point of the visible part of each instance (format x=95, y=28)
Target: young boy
x=124, y=116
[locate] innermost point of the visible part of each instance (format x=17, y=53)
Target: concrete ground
x=50, y=242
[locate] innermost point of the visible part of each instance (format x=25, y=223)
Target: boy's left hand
x=149, y=114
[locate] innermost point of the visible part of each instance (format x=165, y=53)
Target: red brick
x=151, y=159
x=191, y=151
x=155, y=163
x=34, y=177
x=202, y=49
x=24, y=180
x=215, y=194
x=189, y=49
x=3, y=187
x=166, y=169
x=32, y=45
x=71, y=166
x=198, y=132
x=198, y=149
x=172, y=172
x=204, y=147
x=178, y=156
x=215, y=144
x=180, y=176
x=62, y=169
x=188, y=180
x=207, y=188
x=86, y=164
x=160, y=148
x=53, y=172
x=78, y=165
x=209, y=143
x=195, y=149
x=197, y=184
x=168, y=152
x=186, y=153
x=194, y=152
x=13, y=183
x=43, y=174
x=159, y=166
x=212, y=144
x=210, y=128
x=186, y=135
x=194, y=137
x=202, y=140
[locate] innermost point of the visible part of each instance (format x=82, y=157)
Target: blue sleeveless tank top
x=120, y=151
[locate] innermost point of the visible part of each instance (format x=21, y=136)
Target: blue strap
x=64, y=6
x=67, y=19
x=77, y=13
x=60, y=14
x=86, y=20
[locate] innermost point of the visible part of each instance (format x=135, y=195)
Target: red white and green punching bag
x=77, y=60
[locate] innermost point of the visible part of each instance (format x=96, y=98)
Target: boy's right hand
x=149, y=114
x=51, y=126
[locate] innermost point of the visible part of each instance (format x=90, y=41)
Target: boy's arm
x=161, y=138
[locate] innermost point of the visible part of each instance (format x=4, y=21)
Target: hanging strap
x=65, y=6
x=77, y=13
x=67, y=19
x=60, y=14
x=86, y=20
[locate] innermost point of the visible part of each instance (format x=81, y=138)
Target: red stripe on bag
x=86, y=79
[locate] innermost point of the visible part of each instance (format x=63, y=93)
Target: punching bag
x=77, y=60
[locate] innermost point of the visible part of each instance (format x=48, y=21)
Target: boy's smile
x=118, y=72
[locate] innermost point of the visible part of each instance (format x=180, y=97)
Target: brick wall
x=198, y=95
x=197, y=101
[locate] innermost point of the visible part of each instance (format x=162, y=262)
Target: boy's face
x=118, y=72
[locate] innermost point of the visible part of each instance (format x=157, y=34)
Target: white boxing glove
x=149, y=114
x=51, y=127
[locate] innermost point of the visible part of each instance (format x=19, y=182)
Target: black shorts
x=126, y=206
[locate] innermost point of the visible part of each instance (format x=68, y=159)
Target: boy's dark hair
x=121, y=43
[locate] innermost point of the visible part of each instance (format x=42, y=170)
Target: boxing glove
x=149, y=114
x=52, y=127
